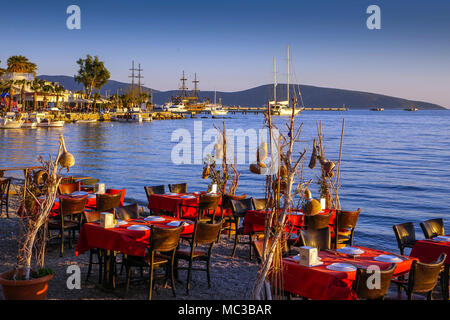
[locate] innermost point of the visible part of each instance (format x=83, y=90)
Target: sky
x=231, y=44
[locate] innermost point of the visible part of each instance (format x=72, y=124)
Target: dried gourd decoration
x=262, y=152
x=312, y=207
x=66, y=160
x=313, y=160
x=206, y=172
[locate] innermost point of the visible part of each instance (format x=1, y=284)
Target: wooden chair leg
x=100, y=265
x=61, y=247
x=208, y=272
x=188, y=282
x=150, y=284
x=172, y=278
x=128, y=279
x=236, y=240
x=89, y=266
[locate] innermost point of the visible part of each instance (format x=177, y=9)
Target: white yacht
x=217, y=109
x=176, y=108
x=281, y=108
x=12, y=121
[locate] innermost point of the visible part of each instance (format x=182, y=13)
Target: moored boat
x=47, y=122
x=12, y=121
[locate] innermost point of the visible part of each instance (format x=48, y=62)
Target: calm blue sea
x=395, y=164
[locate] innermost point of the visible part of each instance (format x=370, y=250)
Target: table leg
x=109, y=275
x=445, y=282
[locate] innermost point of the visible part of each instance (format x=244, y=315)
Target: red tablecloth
x=429, y=250
x=130, y=242
x=91, y=203
x=320, y=283
x=159, y=202
x=254, y=220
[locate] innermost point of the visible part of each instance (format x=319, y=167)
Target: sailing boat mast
x=288, y=75
x=274, y=80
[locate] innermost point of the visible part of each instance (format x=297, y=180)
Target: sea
x=395, y=164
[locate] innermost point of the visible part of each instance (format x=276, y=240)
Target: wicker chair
x=178, y=188
x=239, y=208
x=163, y=240
x=363, y=291
x=423, y=277
x=69, y=188
x=317, y=221
x=69, y=219
x=154, y=190
x=259, y=204
x=94, y=216
x=405, y=235
x=433, y=228
x=317, y=238
x=345, y=225
x=4, y=195
x=206, y=208
x=107, y=202
x=204, y=234
x=127, y=212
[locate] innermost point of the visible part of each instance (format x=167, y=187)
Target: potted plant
x=29, y=279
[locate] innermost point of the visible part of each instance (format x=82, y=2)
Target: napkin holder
x=99, y=188
x=212, y=188
x=323, y=203
x=308, y=256
x=107, y=220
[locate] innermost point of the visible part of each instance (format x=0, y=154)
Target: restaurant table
x=320, y=283
x=179, y=206
x=90, y=204
x=120, y=239
x=429, y=251
x=254, y=220
x=25, y=169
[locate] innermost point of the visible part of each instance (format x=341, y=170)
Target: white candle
x=322, y=203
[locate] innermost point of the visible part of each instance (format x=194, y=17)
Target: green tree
x=92, y=74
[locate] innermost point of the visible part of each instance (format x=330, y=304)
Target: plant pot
x=33, y=289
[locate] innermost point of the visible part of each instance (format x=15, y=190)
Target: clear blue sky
x=231, y=44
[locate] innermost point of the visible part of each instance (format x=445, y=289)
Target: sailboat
x=217, y=109
x=281, y=108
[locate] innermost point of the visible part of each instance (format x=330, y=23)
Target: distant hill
x=258, y=96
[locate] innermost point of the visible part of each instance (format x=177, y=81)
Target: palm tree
x=58, y=89
x=21, y=64
x=46, y=89
x=22, y=83
x=36, y=86
x=10, y=86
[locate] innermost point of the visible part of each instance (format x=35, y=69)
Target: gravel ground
x=231, y=278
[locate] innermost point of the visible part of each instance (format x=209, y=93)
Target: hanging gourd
x=262, y=152
x=313, y=160
x=307, y=195
x=312, y=207
x=206, y=172
x=66, y=160
x=283, y=171
x=218, y=147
